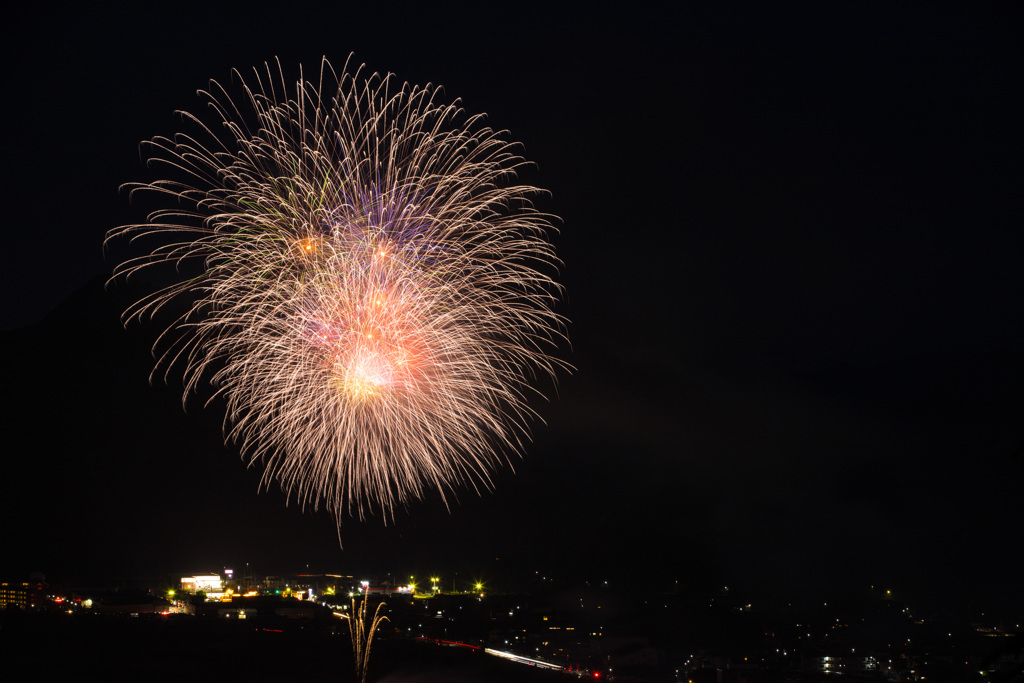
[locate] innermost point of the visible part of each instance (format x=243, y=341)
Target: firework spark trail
x=361, y=632
x=373, y=294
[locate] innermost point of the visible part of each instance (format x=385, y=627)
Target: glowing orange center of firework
x=367, y=376
x=366, y=329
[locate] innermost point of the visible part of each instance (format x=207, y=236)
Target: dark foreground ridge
x=184, y=648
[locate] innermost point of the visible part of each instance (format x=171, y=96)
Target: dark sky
x=793, y=260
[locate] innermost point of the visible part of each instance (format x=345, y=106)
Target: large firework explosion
x=371, y=293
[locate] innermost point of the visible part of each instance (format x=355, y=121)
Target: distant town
x=588, y=629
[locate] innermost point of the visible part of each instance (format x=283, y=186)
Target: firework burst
x=370, y=291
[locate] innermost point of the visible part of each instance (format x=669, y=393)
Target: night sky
x=794, y=267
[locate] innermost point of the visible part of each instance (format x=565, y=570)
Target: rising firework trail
x=364, y=283
x=361, y=631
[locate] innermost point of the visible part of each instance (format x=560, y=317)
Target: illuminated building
x=15, y=594
x=23, y=594
x=211, y=584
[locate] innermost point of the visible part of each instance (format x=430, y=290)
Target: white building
x=211, y=584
